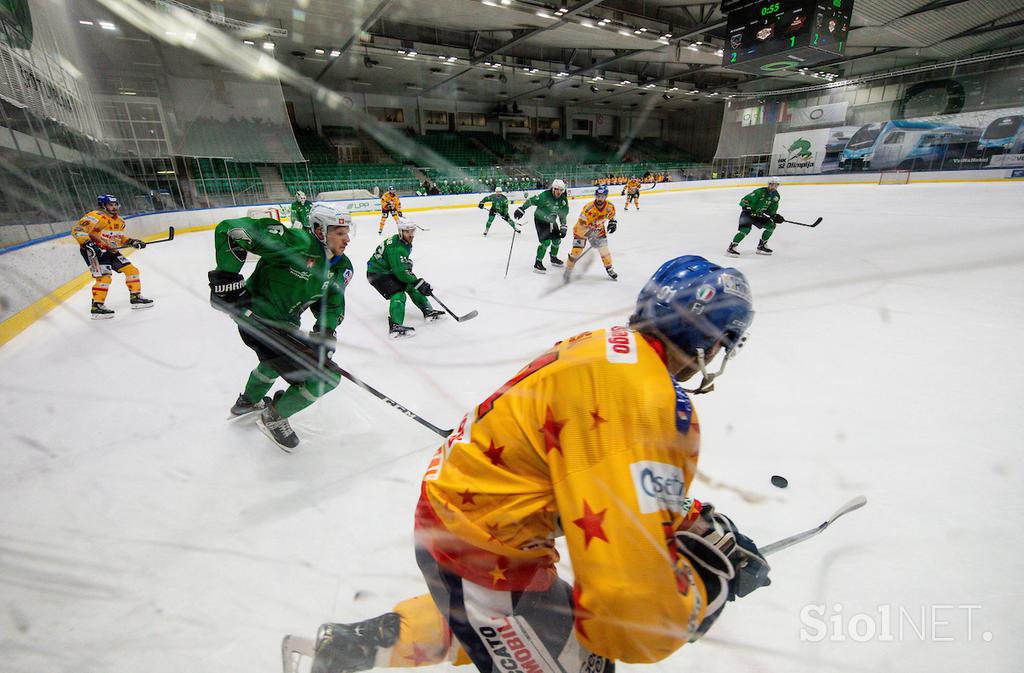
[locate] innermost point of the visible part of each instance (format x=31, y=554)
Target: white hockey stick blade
x=855, y=503
x=293, y=649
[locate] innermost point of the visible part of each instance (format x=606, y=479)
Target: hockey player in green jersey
x=300, y=209
x=499, y=206
x=552, y=209
x=298, y=269
x=760, y=209
x=389, y=271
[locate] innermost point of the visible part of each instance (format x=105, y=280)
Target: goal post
x=894, y=178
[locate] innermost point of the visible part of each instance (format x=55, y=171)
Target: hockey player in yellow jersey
x=99, y=234
x=596, y=440
x=632, y=191
x=596, y=221
x=391, y=205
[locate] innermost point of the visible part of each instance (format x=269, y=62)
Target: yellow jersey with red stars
x=390, y=202
x=104, y=229
x=593, y=219
x=633, y=187
x=594, y=440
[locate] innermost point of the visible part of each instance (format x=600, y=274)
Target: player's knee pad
x=745, y=229
x=103, y=281
x=423, y=632
x=130, y=270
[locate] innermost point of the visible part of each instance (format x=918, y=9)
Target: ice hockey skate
x=433, y=315
x=99, y=311
x=138, y=301
x=731, y=250
x=611, y=273
x=347, y=648
x=763, y=249
x=398, y=331
x=273, y=425
x=243, y=408
x=538, y=267
x=555, y=261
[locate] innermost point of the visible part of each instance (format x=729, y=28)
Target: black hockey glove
x=562, y=231
x=480, y=206
x=423, y=287
x=612, y=226
x=324, y=339
x=748, y=212
x=778, y=219
x=518, y=214
x=227, y=291
x=401, y=214
x=94, y=248
x=136, y=243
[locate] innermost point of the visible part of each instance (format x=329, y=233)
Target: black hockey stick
x=804, y=224
x=170, y=237
x=303, y=351
x=515, y=231
x=469, y=316
x=779, y=545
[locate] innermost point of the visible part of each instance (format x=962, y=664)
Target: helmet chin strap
x=707, y=378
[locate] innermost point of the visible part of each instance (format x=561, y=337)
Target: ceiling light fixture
x=335, y=53
x=269, y=46
x=106, y=25
x=249, y=42
x=85, y=23
x=319, y=52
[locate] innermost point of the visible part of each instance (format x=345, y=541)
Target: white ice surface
x=140, y=532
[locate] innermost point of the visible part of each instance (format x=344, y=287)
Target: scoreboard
x=768, y=35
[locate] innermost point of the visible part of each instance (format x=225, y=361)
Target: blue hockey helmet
x=601, y=190
x=693, y=303
x=104, y=199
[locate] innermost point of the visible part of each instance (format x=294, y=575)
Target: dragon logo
x=800, y=149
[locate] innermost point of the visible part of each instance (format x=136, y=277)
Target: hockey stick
x=170, y=237
x=509, y=262
x=469, y=316
x=803, y=224
x=302, y=352
x=853, y=504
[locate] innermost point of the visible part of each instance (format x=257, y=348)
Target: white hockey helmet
x=326, y=217
x=773, y=181
x=405, y=224
x=301, y=196
x=497, y=190
x=558, y=183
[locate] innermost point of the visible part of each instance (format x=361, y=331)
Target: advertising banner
x=799, y=152
x=831, y=114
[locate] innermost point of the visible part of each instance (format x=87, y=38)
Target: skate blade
x=766, y=254
x=539, y=271
x=266, y=431
x=136, y=307
x=106, y=316
x=293, y=650
x=403, y=335
x=234, y=418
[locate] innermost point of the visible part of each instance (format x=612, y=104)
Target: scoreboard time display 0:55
x=768, y=35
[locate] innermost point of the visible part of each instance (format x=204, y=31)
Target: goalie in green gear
x=389, y=271
x=300, y=209
x=298, y=270
x=499, y=206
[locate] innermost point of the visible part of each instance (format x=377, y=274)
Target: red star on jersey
x=497, y=573
x=492, y=531
x=467, y=497
x=590, y=522
x=595, y=415
x=552, y=428
x=494, y=453
x=579, y=612
x=418, y=656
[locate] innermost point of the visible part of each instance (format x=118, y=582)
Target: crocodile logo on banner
x=800, y=149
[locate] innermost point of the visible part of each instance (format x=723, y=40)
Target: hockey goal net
x=894, y=178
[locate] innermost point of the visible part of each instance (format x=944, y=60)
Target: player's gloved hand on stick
x=519, y=213
x=778, y=218
x=714, y=543
x=562, y=231
x=136, y=243
x=480, y=206
x=423, y=287
x=401, y=214
x=324, y=338
x=612, y=226
x=227, y=291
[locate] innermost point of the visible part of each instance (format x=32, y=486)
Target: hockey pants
x=747, y=220
x=284, y=360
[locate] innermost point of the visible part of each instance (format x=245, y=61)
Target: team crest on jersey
x=347, y=276
x=310, y=262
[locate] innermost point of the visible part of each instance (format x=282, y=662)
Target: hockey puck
x=780, y=482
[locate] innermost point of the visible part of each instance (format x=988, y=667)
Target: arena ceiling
x=581, y=52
